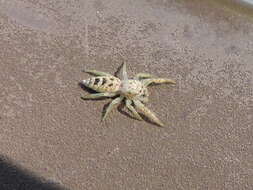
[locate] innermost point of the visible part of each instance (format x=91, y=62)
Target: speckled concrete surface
x=47, y=129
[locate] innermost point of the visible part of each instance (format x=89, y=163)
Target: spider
x=133, y=91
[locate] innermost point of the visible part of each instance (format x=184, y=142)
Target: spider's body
x=103, y=83
x=134, y=91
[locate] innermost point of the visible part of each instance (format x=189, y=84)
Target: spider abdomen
x=103, y=83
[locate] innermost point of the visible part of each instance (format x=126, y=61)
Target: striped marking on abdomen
x=103, y=83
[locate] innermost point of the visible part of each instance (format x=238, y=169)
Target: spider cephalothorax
x=133, y=91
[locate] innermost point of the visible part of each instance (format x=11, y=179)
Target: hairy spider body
x=133, y=91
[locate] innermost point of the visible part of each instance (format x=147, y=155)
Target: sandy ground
x=49, y=135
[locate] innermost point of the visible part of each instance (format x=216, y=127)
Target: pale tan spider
x=133, y=91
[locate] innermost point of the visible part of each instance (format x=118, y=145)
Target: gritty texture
x=47, y=129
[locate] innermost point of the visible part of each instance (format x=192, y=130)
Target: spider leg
x=143, y=99
x=98, y=95
x=111, y=105
x=131, y=108
x=124, y=72
x=143, y=76
x=97, y=73
x=147, y=82
x=148, y=113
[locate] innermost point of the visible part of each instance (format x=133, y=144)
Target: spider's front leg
x=98, y=95
x=148, y=113
x=147, y=82
x=133, y=111
x=111, y=105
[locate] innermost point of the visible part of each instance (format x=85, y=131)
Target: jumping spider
x=133, y=91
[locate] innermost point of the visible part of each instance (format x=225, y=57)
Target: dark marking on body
x=96, y=81
x=104, y=81
x=111, y=84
